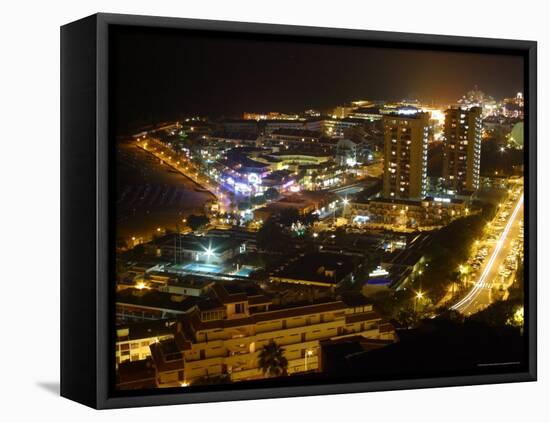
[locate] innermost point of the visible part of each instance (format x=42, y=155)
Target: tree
x=244, y=205
x=272, y=361
x=450, y=247
x=498, y=313
x=197, y=221
x=373, y=189
x=456, y=279
x=272, y=237
x=271, y=194
x=340, y=236
x=309, y=219
x=406, y=318
x=356, y=134
x=289, y=216
x=258, y=200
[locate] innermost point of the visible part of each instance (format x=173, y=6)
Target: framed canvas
x=259, y=211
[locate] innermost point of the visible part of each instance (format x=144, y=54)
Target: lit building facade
x=133, y=341
x=346, y=153
x=405, y=154
x=429, y=212
x=514, y=107
x=462, y=149
x=228, y=344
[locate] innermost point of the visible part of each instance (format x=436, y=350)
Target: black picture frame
x=86, y=243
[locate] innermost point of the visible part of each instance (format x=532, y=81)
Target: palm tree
x=272, y=361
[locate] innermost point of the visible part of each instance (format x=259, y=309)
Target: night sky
x=160, y=75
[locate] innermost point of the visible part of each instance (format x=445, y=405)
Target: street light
x=419, y=295
x=209, y=252
x=309, y=353
x=140, y=285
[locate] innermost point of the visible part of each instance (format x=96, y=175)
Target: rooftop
x=412, y=253
x=148, y=329
x=236, y=292
x=306, y=133
x=155, y=300
x=328, y=268
x=136, y=372
x=196, y=243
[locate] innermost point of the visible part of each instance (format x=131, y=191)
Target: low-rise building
x=305, y=203
x=139, y=305
x=399, y=267
x=136, y=375
x=429, y=212
x=269, y=126
x=317, y=269
x=191, y=248
x=229, y=347
x=133, y=340
x=346, y=153
x=188, y=285
x=236, y=139
x=240, y=126
x=288, y=135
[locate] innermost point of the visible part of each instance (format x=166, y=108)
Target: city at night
x=295, y=212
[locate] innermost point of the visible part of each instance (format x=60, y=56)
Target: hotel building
x=226, y=338
x=462, y=149
x=405, y=154
x=429, y=212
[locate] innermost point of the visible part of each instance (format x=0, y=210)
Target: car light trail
x=479, y=284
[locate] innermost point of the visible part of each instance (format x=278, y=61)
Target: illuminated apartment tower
x=462, y=149
x=405, y=154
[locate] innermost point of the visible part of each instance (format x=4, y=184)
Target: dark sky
x=166, y=74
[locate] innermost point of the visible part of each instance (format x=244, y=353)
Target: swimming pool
x=244, y=271
x=202, y=268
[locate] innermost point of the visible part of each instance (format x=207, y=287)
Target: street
x=481, y=293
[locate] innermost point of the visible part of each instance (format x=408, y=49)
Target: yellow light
x=141, y=285
x=518, y=316
x=184, y=384
x=419, y=295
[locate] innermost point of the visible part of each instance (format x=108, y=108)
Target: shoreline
x=140, y=216
x=206, y=190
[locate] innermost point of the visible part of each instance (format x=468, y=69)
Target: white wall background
x=29, y=208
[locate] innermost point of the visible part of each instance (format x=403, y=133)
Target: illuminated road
x=186, y=169
x=480, y=296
